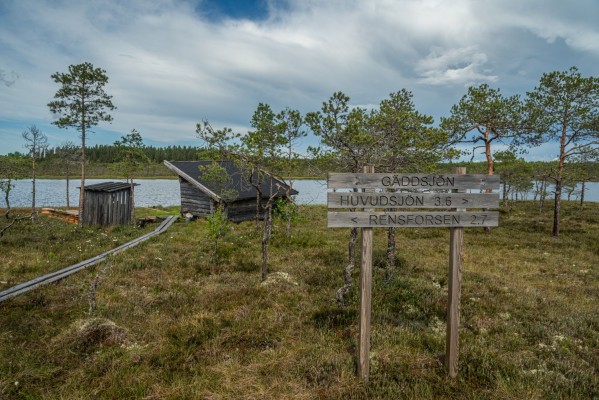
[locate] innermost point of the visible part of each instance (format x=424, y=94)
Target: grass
x=169, y=325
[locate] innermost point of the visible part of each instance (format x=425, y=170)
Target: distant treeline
x=110, y=154
x=100, y=157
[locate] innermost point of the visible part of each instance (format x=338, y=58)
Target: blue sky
x=172, y=63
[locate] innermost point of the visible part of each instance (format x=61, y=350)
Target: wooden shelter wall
x=194, y=201
x=199, y=204
x=243, y=210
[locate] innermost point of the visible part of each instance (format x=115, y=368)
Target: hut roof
x=190, y=171
x=109, y=186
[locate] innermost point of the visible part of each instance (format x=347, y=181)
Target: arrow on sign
x=464, y=201
x=355, y=220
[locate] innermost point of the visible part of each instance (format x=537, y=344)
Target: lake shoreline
x=166, y=192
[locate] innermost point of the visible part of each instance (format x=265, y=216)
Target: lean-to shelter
x=200, y=196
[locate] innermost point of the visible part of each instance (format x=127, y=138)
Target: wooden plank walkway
x=63, y=273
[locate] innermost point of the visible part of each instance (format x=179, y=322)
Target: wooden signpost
x=425, y=191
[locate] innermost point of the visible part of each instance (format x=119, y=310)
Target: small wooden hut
x=107, y=203
x=200, y=198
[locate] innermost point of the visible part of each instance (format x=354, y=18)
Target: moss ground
x=170, y=325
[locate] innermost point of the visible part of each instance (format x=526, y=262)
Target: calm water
x=150, y=192
x=165, y=192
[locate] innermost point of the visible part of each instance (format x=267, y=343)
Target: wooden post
x=456, y=240
x=365, y=298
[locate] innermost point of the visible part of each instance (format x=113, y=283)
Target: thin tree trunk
x=349, y=268
x=132, y=203
x=559, y=182
x=68, y=205
x=490, y=168
x=82, y=188
x=270, y=219
x=391, y=246
x=269, y=209
x=258, y=198
x=288, y=227
x=288, y=209
x=7, y=199
x=543, y=194
x=556, y=211
x=265, y=234
x=582, y=189
x=33, y=213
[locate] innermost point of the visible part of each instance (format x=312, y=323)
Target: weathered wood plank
x=365, y=297
x=192, y=181
x=382, y=219
x=422, y=181
x=412, y=200
x=454, y=288
x=196, y=203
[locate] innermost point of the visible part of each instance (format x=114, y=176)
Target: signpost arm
x=365, y=298
x=456, y=240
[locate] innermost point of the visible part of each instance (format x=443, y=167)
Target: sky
x=174, y=63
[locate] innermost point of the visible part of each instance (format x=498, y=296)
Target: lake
x=150, y=192
x=165, y=192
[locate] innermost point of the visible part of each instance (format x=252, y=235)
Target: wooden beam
x=456, y=240
x=414, y=181
x=192, y=180
x=365, y=298
x=412, y=200
x=425, y=219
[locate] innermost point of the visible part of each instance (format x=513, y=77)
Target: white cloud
x=170, y=66
x=462, y=66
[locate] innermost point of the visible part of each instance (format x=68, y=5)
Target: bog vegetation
x=168, y=322
x=214, y=310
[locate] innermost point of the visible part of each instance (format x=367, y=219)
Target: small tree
x=36, y=143
x=133, y=158
x=564, y=109
x=405, y=142
x=291, y=122
x=261, y=149
x=12, y=167
x=218, y=222
x=68, y=154
x=484, y=115
x=542, y=173
x=586, y=171
x=347, y=142
x=516, y=173
x=81, y=103
x=250, y=156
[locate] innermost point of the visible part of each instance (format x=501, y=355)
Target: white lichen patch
x=279, y=278
x=437, y=326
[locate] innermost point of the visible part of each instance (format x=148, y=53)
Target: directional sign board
x=412, y=200
x=414, y=181
x=425, y=191
x=411, y=219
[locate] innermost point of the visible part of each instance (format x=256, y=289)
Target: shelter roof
x=190, y=171
x=109, y=186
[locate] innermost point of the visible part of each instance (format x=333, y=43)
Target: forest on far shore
x=102, y=159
